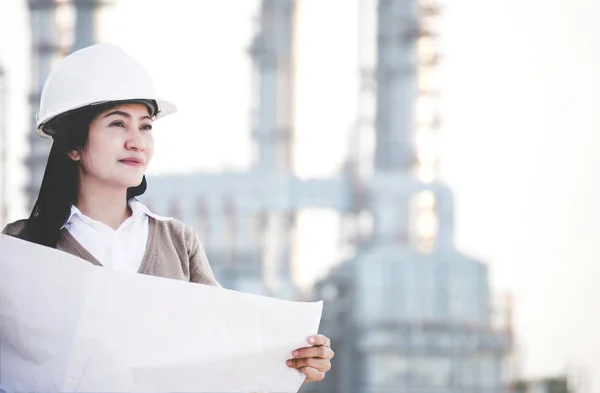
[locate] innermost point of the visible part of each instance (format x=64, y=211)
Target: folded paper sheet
x=67, y=326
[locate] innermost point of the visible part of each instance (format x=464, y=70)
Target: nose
x=135, y=141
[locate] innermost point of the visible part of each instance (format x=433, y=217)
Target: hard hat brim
x=164, y=108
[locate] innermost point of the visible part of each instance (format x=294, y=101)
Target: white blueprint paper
x=67, y=326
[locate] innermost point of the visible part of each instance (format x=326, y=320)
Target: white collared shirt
x=122, y=249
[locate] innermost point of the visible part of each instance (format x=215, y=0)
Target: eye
x=147, y=127
x=118, y=123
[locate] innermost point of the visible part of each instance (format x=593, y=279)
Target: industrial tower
x=247, y=220
x=58, y=27
x=408, y=313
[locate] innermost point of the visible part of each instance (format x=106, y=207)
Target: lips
x=132, y=161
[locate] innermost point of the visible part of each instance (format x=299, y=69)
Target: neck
x=103, y=204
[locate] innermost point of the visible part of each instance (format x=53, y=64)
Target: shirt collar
x=137, y=209
x=74, y=211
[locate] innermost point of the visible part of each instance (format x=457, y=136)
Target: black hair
x=58, y=191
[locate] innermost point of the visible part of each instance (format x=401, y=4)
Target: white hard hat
x=94, y=75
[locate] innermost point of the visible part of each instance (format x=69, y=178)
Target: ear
x=74, y=155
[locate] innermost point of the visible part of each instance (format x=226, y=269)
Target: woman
x=98, y=106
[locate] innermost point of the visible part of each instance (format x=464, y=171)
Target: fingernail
x=289, y=363
x=311, y=340
x=295, y=353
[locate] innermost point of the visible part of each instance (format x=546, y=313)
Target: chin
x=131, y=181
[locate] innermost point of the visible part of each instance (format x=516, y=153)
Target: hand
x=313, y=361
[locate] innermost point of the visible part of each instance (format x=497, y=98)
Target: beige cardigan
x=173, y=251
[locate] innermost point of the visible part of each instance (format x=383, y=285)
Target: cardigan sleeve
x=14, y=229
x=200, y=270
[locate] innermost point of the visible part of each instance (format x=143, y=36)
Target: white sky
x=520, y=87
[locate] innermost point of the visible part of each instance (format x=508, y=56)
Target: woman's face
x=119, y=148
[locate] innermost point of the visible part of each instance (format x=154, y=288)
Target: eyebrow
x=125, y=114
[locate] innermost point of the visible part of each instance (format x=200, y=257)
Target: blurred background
x=427, y=168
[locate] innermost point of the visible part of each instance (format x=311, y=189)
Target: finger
x=319, y=339
x=314, y=352
x=312, y=375
x=319, y=364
